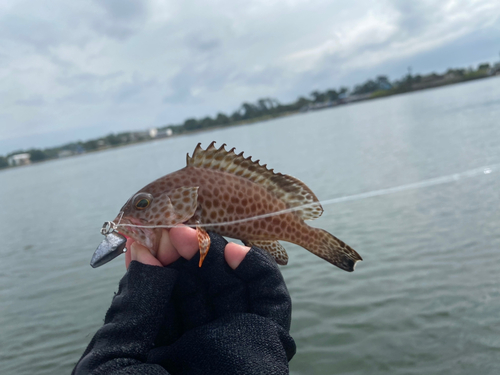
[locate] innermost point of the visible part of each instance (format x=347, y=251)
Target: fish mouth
x=135, y=229
x=115, y=238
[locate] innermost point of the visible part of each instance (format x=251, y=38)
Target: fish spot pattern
x=220, y=186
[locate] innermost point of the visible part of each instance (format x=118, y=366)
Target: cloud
x=35, y=100
x=127, y=64
x=202, y=44
x=120, y=19
x=134, y=88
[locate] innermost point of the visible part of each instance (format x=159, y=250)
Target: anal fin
x=272, y=247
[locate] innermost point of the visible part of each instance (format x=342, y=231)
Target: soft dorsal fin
x=289, y=189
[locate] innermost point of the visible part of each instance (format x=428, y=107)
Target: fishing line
x=374, y=193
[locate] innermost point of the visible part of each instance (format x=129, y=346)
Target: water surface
x=424, y=301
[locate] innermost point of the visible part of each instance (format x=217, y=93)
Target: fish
x=235, y=197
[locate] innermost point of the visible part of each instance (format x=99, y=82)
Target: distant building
x=64, y=153
x=153, y=132
x=139, y=136
x=19, y=159
x=164, y=133
x=494, y=70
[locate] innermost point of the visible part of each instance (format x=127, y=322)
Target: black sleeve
x=131, y=324
x=235, y=322
x=182, y=319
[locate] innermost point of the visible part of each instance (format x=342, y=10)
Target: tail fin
x=331, y=249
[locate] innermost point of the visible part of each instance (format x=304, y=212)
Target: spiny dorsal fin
x=289, y=189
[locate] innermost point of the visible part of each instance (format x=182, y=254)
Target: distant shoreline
x=269, y=109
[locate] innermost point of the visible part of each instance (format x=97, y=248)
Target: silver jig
x=112, y=245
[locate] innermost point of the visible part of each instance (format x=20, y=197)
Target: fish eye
x=142, y=204
x=142, y=201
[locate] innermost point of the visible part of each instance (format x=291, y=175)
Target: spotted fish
x=217, y=191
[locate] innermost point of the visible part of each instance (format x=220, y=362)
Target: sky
x=76, y=70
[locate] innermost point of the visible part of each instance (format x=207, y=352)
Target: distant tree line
x=262, y=109
x=3, y=162
x=267, y=108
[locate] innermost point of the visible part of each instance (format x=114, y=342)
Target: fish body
x=219, y=190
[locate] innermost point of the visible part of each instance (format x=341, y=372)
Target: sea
x=412, y=182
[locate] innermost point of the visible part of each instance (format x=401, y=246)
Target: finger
x=184, y=240
x=143, y=255
x=234, y=254
x=128, y=253
x=166, y=251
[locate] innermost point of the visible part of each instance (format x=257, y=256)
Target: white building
x=19, y=159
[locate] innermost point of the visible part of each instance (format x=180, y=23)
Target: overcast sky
x=74, y=70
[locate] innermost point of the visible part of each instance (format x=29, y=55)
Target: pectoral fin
x=272, y=247
x=203, y=242
x=181, y=204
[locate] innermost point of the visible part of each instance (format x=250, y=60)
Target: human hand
x=219, y=283
x=180, y=241
x=232, y=313
x=230, y=316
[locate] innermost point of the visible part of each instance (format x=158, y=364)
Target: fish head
x=145, y=214
x=137, y=220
